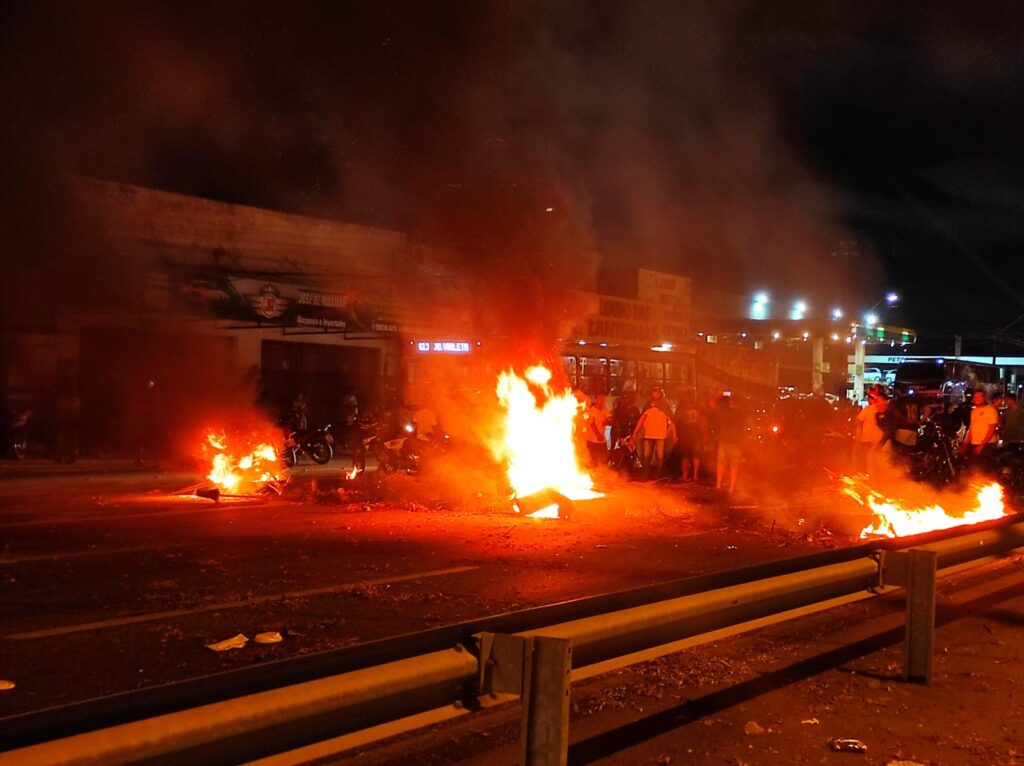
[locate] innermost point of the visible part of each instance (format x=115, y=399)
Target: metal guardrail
x=534, y=663
x=66, y=720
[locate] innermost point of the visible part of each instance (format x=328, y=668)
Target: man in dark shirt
x=1013, y=422
x=730, y=442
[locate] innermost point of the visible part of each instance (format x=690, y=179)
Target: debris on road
x=753, y=728
x=6, y=685
x=236, y=642
x=847, y=746
x=270, y=637
x=209, y=493
x=811, y=721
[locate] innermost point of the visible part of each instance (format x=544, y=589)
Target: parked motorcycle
x=315, y=443
x=933, y=455
x=406, y=452
x=14, y=431
x=368, y=441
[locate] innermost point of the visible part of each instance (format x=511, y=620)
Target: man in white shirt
x=594, y=421
x=982, y=434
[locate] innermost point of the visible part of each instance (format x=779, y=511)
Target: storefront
x=635, y=343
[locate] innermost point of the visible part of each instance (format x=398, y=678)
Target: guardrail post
x=920, y=632
x=545, y=735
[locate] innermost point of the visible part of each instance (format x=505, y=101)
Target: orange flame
x=893, y=520
x=352, y=473
x=536, y=443
x=232, y=473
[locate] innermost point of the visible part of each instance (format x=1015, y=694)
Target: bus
x=948, y=379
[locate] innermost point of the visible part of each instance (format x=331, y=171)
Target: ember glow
x=232, y=472
x=537, y=443
x=893, y=519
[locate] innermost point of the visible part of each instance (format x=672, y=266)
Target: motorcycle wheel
x=290, y=457
x=320, y=452
x=384, y=462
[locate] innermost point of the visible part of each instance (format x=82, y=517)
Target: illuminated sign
x=443, y=347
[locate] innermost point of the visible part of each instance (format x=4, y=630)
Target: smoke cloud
x=532, y=139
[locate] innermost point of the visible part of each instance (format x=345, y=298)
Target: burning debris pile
x=895, y=518
x=239, y=464
x=537, y=444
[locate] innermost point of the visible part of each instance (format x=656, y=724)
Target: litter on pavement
x=236, y=642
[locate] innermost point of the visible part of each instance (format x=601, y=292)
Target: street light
x=759, y=307
x=799, y=310
x=837, y=313
x=871, y=319
x=892, y=298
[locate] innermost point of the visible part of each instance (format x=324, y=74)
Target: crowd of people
x=979, y=425
x=721, y=439
x=659, y=440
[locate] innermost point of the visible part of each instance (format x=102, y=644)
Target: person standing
x=426, y=423
x=730, y=443
x=67, y=412
x=299, y=415
x=594, y=421
x=982, y=434
x=624, y=417
x=689, y=430
x=1013, y=421
x=658, y=428
x=871, y=432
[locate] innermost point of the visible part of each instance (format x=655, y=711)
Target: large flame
x=892, y=519
x=537, y=443
x=258, y=463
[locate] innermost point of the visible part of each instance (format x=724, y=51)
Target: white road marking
x=149, y=617
x=112, y=516
x=61, y=555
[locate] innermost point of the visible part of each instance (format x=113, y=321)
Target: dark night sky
x=736, y=141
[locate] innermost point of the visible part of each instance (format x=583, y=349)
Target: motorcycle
x=368, y=441
x=933, y=456
x=402, y=453
x=315, y=443
x=15, y=434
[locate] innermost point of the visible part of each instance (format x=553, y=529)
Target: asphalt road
x=111, y=583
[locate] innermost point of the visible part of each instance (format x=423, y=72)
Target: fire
x=352, y=473
x=893, y=520
x=232, y=473
x=537, y=443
